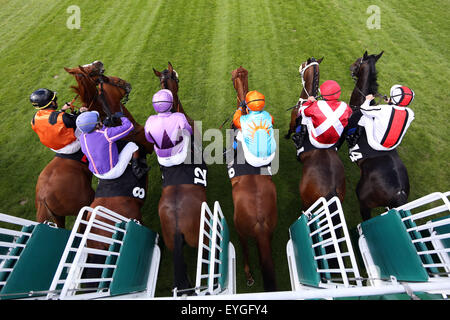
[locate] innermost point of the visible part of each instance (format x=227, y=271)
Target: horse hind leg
x=399, y=199
x=266, y=262
x=181, y=281
x=43, y=213
x=248, y=274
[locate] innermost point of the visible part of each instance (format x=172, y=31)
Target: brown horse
x=54, y=199
x=322, y=171
x=307, y=70
x=384, y=179
x=255, y=206
x=180, y=205
x=104, y=95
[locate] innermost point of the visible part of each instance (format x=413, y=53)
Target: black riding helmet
x=42, y=98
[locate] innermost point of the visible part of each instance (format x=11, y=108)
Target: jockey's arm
x=306, y=108
x=236, y=118
x=69, y=120
x=368, y=110
x=186, y=126
x=119, y=132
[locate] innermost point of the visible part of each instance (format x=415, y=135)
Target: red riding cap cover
x=330, y=90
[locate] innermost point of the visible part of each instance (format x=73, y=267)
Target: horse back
x=179, y=210
x=322, y=175
x=255, y=204
x=64, y=185
x=384, y=174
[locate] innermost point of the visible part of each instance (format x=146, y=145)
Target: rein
x=241, y=104
x=302, y=70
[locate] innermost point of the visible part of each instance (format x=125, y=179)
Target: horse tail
x=181, y=281
x=399, y=198
x=266, y=261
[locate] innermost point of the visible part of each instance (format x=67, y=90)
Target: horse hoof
x=250, y=282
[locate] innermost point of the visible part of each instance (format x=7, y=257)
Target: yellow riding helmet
x=255, y=100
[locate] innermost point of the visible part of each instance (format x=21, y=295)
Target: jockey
x=324, y=120
x=386, y=125
x=256, y=130
x=169, y=131
x=56, y=129
x=98, y=143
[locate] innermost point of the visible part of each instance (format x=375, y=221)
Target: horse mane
x=372, y=77
x=86, y=88
x=242, y=74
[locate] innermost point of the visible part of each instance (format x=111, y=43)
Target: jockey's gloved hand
x=118, y=115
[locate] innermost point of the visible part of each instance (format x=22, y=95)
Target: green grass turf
x=205, y=41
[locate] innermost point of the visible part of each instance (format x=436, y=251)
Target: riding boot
x=352, y=140
x=139, y=167
x=299, y=137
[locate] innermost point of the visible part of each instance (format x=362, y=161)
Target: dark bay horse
x=180, y=205
x=255, y=206
x=384, y=179
x=322, y=171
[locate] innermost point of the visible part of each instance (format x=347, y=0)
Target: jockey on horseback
x=256, y=130
x=385, y=125
x=56, y=129
x=98, y=143
x=324, y=120
x=169, y=131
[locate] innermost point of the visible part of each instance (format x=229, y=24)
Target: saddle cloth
x=186, y=173
x=127, y=185
x=77, y=156
x=362, y=150
x=240, y=167
x=307, y=146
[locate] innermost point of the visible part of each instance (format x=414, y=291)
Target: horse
x=255, y=206
x=384, y=180
x=179, y=207
x=322, y=171
x=105, y=96
x=92, y=88
x=54, y=201
x=307, y=70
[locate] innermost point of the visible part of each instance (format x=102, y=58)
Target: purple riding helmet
x=162, y=101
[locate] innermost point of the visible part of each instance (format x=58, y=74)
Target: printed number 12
x=200, y=176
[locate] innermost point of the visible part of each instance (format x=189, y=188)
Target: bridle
x=302, y=70
x=167, y=75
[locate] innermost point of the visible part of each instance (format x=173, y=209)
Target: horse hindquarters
x=179, y=211
x=255, y=216
x=322, y=176
x=384, y=182
x=62, y=189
